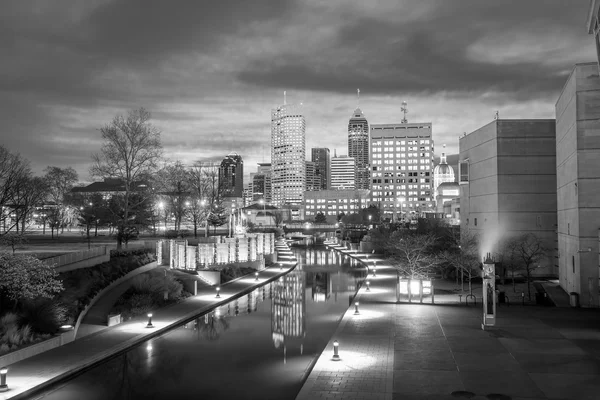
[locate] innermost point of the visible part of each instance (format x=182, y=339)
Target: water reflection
x=264, y=341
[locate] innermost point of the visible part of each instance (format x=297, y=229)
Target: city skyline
x=70, y=68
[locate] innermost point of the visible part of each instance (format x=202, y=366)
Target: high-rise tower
x=322, y=159
x=231, y=175
x=358, y=147
x=288, y=137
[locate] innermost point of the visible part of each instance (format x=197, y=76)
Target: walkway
x=35, y=373
x=423, y=351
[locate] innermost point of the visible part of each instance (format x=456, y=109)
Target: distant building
x=358, y=147
x=507, y=182
x=313, y=180
x=446, y=192
x=288, y=136
x=442, y=173
x=107, y=188
x=322, y=159
x=261, y=183
x=248, y=194
x=343, y=173
x=402, y=168
x=334, y=202
x=231, y=175
x=452, y=211
x=578, y=182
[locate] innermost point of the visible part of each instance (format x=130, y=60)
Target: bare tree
x=31, y=192
x=131, y=153
x=60, y=181
x=527, y=251
x=464, y=256
x=14, y=170
x=410, y=254
x=207, y=191
x=173, y=184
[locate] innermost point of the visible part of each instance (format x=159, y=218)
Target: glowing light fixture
x=368, y=288
x=256, y=276
x=3, y=385
x=356, y=308
x=218, y=290
x=336, y=354
x=149, y=325
x=415, y=285
x=403, y=287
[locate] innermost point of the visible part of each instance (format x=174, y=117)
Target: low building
x=452, y=211
x=334, y=202
x=446, y=192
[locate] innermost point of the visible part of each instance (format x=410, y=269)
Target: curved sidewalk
x=424, y=351
x=33, y=374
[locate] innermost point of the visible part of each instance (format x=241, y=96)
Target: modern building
x=402, y=168
x=507, y=182
x=343, y=173
x=334, y=202
x=442, y=173
x=447, y=191
x=261, y=183
x=358, y=147
x=288, y=136
x=578, y=183
x=322, y=158
x=248, y=190
x=452, y=211
x=593, y=24
x=313, y=179
x=231, y=175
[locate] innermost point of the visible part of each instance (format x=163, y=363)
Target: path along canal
x=261, y=345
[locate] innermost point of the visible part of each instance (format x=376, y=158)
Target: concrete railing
x=37, y=348
x=79, y=259
x=131, y=274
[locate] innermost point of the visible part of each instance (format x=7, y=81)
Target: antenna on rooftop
x=404, y=110
x=284, y=102
x=357, y=98
x=497, y=116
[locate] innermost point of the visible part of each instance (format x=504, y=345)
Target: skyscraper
x=313, y=180
x=358, y=147
x=261, y=183
x=321, y=157
x=288, y=154
x=343, y=172
x=231, y=175
x=402, y=166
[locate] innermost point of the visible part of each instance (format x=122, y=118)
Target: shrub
x=156, y=283
x=44, y=316
x=141, y=303
x=231, y=272
x=130, y=252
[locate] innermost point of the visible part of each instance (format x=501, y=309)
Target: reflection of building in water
x=288, y=311
x=321, y=286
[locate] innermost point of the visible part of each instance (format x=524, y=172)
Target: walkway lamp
x=256, y=276
x=3, y=385
x=149, y=325
x=356, y=308
x=368, y=288
x=336, y=355
x=218, y=290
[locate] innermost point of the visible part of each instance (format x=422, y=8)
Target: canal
x=259, y=346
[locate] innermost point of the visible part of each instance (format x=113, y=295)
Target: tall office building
x=593, y=24
x=313, y=180
x=261, y=183
x=321, y=157
x=231, y=175
x=343, y=173
x=402, y=168
x=358, y=147
x=288, y=170
x=442, y=173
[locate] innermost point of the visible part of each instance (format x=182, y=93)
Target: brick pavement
x=423, y=351
x=35, y=373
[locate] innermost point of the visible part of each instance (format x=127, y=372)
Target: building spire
x=284, y=100
x=357, y=98
x=443, y=159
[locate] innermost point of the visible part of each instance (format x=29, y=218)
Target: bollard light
x=149, y=325
x=218, y=289
x=374, y=271
x=3, y=385
x=281, y=266
x=256, y=276
x=522, y=298
x=336, y=354
x=356, y=308
x=368, y=288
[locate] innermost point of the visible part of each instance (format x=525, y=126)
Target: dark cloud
x=431, y=54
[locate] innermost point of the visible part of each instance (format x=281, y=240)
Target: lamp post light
x=336, y=354
x=374, y=269
x=218, y=290
x=256, y=276
x=356, y=308
x=281, y=266
x=3, y=385
x=368, y=288
x=149, y=325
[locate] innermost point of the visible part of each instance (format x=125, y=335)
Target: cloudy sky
x=211, y=71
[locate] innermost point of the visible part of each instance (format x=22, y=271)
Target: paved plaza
x=424, y=351
x=40, y=371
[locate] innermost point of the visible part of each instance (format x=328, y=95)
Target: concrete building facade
x=358, y=147
x=401, y=159
x=343, y=173
x=322, y=159
x=507, y=182
x=578, y=183
x=313, y=179
x=288, y=148
x=334, y=202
